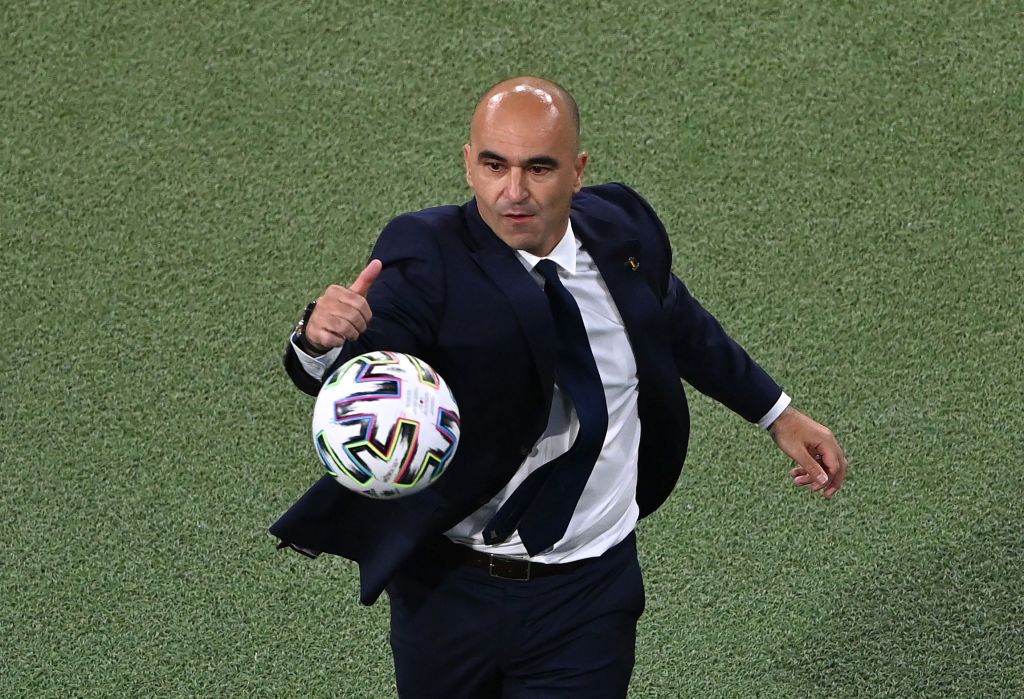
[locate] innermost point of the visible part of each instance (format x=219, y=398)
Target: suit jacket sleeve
x=714, y=363
x=406, y=300
x=705, y=356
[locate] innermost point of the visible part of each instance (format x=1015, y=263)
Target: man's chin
x=520, y=231
x=521, y=237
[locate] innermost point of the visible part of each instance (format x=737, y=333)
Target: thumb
x=366, y=278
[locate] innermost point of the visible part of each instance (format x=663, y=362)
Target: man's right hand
x=342, y=313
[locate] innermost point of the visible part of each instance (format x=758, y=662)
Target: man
x=552, y=312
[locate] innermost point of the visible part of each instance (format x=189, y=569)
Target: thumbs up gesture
x=342, y=313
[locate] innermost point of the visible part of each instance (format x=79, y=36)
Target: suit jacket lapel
x=620, y=262
x=526, y=297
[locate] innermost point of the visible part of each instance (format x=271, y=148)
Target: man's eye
x=494, y=167
x=539, y=170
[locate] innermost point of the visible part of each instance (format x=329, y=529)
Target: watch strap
x=299, y=335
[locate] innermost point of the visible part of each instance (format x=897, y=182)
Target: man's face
x=523, y=167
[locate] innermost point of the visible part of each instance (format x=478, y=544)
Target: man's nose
x=515, y=188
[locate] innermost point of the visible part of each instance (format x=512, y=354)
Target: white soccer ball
x=385, y=424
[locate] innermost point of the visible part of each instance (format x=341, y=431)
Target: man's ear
x=579, y=166
x=465, y=160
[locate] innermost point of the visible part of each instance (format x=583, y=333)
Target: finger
x=800, y=477
x=359, y=304
x=799, y=448
x=834, y=485
x=353, y=331
x=339, y=302
x=838, y=479
x=347, y=317
x=831, y=456
x=367, y=277
x=833, y=488
x=342, y=329
x=324, y=337
x=814, y=470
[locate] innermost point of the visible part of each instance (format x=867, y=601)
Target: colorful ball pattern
x=385, y=425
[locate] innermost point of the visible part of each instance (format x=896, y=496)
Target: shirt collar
x=563, y=255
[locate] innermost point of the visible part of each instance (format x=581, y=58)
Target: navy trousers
x=456, y=631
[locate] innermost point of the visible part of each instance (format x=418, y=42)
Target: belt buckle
x=496, y=573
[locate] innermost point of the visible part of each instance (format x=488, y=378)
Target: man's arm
x=340, y=314
x=394, y=304
x=716, y=365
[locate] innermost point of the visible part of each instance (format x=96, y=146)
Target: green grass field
x=843, y=183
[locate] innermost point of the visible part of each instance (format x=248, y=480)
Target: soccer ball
x=385, y=425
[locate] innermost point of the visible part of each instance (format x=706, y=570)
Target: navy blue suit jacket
x=452, y=293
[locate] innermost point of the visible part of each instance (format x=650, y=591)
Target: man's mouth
x=518, y=216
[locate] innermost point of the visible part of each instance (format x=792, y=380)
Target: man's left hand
x=820, y=461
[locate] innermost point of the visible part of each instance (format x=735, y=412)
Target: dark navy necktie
x=542, y=505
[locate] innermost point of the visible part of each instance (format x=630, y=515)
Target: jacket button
x=524, y=450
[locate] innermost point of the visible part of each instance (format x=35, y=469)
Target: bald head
x=524, y=163
x=530, y=98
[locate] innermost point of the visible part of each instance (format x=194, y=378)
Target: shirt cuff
x=315, y=366
x=781, y=404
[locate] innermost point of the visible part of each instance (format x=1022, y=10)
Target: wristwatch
x=299, y=334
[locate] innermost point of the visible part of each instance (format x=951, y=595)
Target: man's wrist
x=772, y=416
x=303, y=343
x=299, y=335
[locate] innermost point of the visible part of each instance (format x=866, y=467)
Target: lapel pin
x=632, y=263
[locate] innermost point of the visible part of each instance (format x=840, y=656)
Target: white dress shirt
x=607, y=511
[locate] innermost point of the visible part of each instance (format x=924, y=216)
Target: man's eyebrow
x=545, y=160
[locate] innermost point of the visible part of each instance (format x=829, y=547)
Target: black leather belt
x=502, y=567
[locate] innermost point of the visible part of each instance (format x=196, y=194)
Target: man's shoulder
x=435, y=227
x=608, y=191
x=424, y=233
x=611, y=201
x=431, y=217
